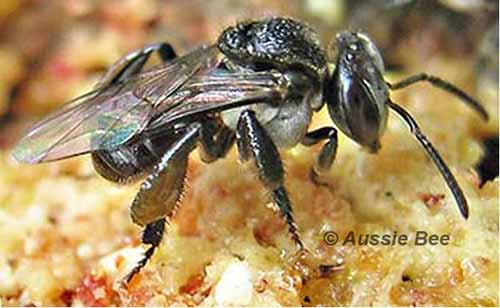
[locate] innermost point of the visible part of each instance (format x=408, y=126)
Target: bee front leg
x=326, y=156
x=159, y=194
x=444, y=85
x=254, y=142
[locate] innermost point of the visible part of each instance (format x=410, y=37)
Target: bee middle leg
x=254, y=142
x=215, y=141
x=159, y=194
x=326, y=156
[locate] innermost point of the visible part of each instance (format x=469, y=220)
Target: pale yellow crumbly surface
x=66, y=233
x=66, y=236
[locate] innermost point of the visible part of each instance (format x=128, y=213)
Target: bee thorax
x=286, y=122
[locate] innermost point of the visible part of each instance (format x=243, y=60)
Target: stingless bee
x=258, y=86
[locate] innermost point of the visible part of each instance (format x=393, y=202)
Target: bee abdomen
x=130, y=162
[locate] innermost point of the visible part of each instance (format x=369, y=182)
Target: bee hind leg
x=160, y=193
x=254, y=142
x=132, y=63
x=153, y=234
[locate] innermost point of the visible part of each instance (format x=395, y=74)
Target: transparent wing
x=106, y=118
x=220, y=90
x=99, y=121
x=158, y=85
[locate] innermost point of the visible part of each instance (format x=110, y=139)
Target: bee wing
x=218, y=91
x=91, y=122
x=106, y=118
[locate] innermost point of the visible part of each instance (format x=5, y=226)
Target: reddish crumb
x=94, y=291
x=221, y=192
x=431, y=200
x=193, y=284
x=265, y=230
x=417, y=297
x=60, y=69
x=67, y=296
x=140, y=296
x=261, y=285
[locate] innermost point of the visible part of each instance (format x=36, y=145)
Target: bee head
x=355, y=91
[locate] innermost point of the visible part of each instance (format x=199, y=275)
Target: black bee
x=259, y=85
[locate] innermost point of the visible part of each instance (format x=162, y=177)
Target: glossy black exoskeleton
x=258, y=85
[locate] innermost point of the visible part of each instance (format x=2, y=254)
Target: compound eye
x=372, y=51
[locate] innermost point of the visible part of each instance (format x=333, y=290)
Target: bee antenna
x=436, y=157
